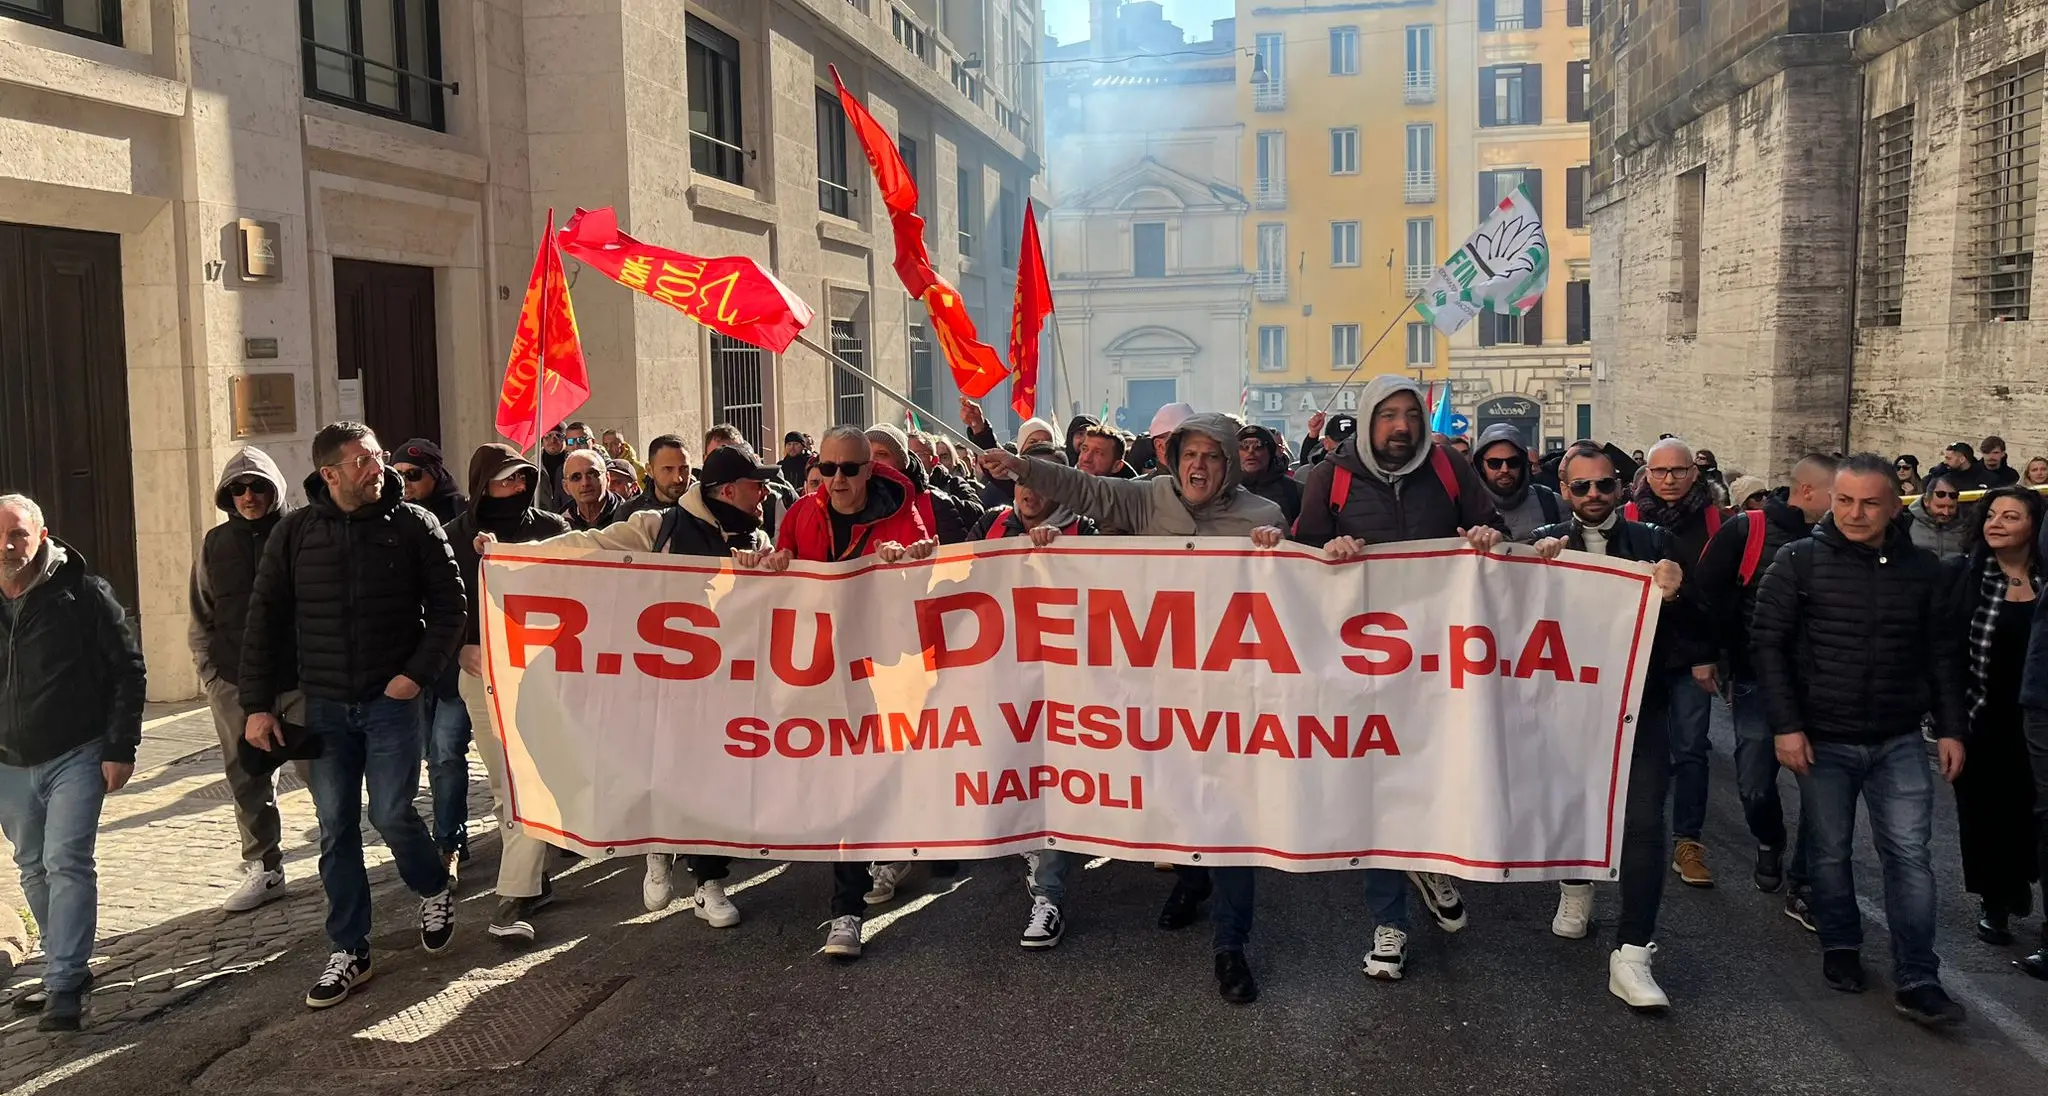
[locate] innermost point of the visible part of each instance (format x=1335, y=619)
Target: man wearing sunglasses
x=428, y=482
x=251, y=494
x=587, y=482
x=1503, y=462
x=1597, y=526
x=1937, y=524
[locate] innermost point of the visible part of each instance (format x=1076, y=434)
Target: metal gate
x=849, y=391
x=737, y=386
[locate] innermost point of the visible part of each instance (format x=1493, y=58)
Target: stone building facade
x=1813, y=224
x=222, y=226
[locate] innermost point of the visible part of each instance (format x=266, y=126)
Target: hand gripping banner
x=1139, y=698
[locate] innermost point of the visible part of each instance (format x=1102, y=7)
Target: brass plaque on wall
x=265, y=403
x=259, y=252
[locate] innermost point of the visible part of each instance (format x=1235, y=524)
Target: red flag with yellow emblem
x=733, y=295
x=546, y=374
x=1027, y=319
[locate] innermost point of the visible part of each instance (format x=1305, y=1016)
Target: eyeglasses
x=358, y=463
x=1502, y=464
x=576, y=442
x=413, y=475
x=848, y=468
x=1670, y=473
x=240, y=488
x=1605, y=485
x=1945, y=494
x=579, y=477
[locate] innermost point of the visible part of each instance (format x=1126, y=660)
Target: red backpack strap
x=1447, y=475
x=1713, y=520
x=1340, y=486
x=1752, y=547
x=1630, y=513
x=995, y=529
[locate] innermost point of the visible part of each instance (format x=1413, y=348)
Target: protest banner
x=1140, y=698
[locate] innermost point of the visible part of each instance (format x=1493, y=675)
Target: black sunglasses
x=579, y=477
x=1502, y=464
x=237, y=490
x=831, y=468
x=1945, y=494
x=414, y=475
x=1606, y=485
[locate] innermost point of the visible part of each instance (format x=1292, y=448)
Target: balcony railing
x=1270, y=285
x=1419, y=87
x=1418, y=187
x=1269, y=193
x=1271, y=95
x=911, y=34
x=1418, y=276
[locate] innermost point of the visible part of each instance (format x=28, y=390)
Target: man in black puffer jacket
x=1265, y=470
x=366, y=583
x=1850, y=652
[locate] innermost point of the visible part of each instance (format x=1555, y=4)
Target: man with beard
x=1101, y=453
x=503, y=496
x=796, y=457
x=1595, y=487
x=1675, y=498
x=251, y=494
x=428, y=483
x=554, y=450
x=1935, y=522
x=429, y=486
x=1503, y=462
x=1265, y=470
x=1201, y=496
x=71, y=687
x=1387, y=484
x=591, y=502
x=668, y=467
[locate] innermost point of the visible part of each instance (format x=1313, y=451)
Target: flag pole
x=1059, y=354
x=899, y=397
x=1367, y=356
x=540, y=360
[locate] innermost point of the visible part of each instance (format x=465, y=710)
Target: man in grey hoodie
x=1502, y=460
x=1937, y=524
x=251, y=493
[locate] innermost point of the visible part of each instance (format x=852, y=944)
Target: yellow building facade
x=1344, y=108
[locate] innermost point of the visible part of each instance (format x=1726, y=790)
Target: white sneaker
x=887, y=878
x=1440, y=894
x=1628, y=977
x=842, y=941
x=258, y=887
x=714, y=908
x=1045, y=927
x=659, y=888
x=1389, y=954
x=1574, y=911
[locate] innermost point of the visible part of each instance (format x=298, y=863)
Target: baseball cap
x=732, y=463
x=1343, y=426
x=516, y=468
x=619, y=468
x=794, y=437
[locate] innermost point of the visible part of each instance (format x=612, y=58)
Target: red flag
x=977, y=368
x=1027, y=318
x=546, y=374
x=733, y=296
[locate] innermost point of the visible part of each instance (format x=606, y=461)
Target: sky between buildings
x=1067, y=20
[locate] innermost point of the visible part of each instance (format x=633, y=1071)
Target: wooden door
x=384, y=340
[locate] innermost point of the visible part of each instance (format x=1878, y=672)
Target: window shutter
x=1489, y=328
x=1533, y=180
x=1575, y=13
x=1575, y=91
x=1486, y=83
x=1532, y=324
x=1532, y=14
x=1575, y=312
x=1487, y=197
x=1486, y=14
x=1575, y=197
x=1532, y=95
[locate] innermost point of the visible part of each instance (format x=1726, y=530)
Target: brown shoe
x=1689, y=860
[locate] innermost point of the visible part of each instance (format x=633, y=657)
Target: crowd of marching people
x=1853, y=635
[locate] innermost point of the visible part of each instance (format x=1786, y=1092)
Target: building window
x=923, y=382
x=99, y=19
x=1011, y=230
x=1499, y=329
x=1421, y=252
x=835, y=189
x=2004, y=166
x=1272, y=348
x=1270, y=283
x=1343, y=243
x=738, y=372
x=712, y=58
x=906, y=146
x=849, y=390
x=1577, y=80
x=1421, y=344
x=1510, y=14
x=1891, y=189
x=378, y=56
x=1511, y=95
x=1691, y=212
x=1343, y=345
x=1418, y=180
x=1578, y=315
x=967, y=197
x=1148, y=249
x=1575, y=196
x=1268, y=53
x=1575, y=16
x=1269, y=183
x=1344, y=151
x=1583, y=413
x=1496, y=186
x=1343, y=51
x=1421, y=52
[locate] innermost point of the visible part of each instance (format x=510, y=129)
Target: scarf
x=1991, y=586
x=1670, y=515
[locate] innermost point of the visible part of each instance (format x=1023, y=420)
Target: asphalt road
x=946, y=1002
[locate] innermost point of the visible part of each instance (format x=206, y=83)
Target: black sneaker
x=1994, y=926
x=1234, y=978
x=63, y=1011
x=1770, y=870
x=1928, y=1006
x=1797, y=908
x=511, y=922
x=344, y=974
x=2035, y=964
x=437, y=921
x=36, y=998
x=1183, y=906
x=1843, y=968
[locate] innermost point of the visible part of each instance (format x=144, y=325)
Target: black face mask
x=497, y=509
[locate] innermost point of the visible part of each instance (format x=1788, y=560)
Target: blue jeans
x=1692, y=710
x=1386, y=897
x=1049, y=871
x=378, y=742
x=1893, y=779
x=51, y=812
x=1756, y=780
x=1230, y=910
x=447, y=747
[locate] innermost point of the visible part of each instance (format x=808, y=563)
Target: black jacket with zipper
x=1684, y=634
x=73, y=670
x=368, y=596
x=1718, y=578
x=1847, y=640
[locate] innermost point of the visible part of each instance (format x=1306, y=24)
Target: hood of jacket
x=320, y=499
x=249, y=461
x=1223, y=429
x=1359, y=445
x=1502, y=433
x=52, y=559
x=484, y=466
x=1074, y=426
x=1921, y=517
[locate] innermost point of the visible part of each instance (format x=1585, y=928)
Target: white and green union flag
x=1503, y=267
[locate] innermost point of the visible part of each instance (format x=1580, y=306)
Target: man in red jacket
x=863, y=509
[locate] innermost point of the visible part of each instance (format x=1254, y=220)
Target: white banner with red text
x=1195, y=701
